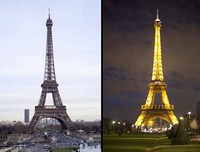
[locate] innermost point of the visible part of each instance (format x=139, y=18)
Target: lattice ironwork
x=49, y=85
x=150, y=111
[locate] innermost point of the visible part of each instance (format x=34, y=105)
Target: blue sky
x=77, y=54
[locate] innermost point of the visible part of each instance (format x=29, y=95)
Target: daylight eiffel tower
x=150, y=111
x=58, y=110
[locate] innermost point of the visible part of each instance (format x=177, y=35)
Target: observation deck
x=157, y=107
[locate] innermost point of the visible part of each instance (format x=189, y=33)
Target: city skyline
x=128, y=43
x=76, y=45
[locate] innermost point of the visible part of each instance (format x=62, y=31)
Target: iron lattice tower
x=150, y=111
x=49, y=85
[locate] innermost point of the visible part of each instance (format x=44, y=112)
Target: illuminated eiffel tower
x=50, y=86
x=150, y=111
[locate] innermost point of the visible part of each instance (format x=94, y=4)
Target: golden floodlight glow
x=150, y=111
x=157, y=73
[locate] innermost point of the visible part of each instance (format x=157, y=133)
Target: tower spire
x=157, y=14
x=49, y=74
x=157, y=74
x=49, y=13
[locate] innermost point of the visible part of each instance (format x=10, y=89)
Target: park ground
x=145, y=143
x=64, y=150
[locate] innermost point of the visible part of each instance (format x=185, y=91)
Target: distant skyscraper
x=198, y=112
x=26, y=115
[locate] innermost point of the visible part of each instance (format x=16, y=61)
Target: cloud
x=128, y=44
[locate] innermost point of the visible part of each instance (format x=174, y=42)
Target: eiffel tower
x=58, y=110
x=150, y=111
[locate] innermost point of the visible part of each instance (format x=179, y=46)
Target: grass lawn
x=127, y=143
x=177, y=148
x=144, y=143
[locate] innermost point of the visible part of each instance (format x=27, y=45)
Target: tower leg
x=140, y=120
x=33, y=123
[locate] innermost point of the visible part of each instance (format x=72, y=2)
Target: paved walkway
x=26, y=150
x=5, y=149
x=15, y=150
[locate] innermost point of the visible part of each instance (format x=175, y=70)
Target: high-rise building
x=26, y=115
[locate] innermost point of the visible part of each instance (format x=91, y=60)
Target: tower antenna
x=157, y=14
x=49, y=12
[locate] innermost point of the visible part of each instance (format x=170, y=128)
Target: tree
x=171, y=132
x=180, y=137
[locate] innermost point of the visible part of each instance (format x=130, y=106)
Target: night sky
x=128, y=45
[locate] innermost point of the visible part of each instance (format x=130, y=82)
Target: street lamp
x=124, y=126
x=189, y=113
x=113, y=123
x=182, y=123
x=118, y=125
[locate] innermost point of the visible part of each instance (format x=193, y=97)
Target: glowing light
x=156, y=86
x=189, y=114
